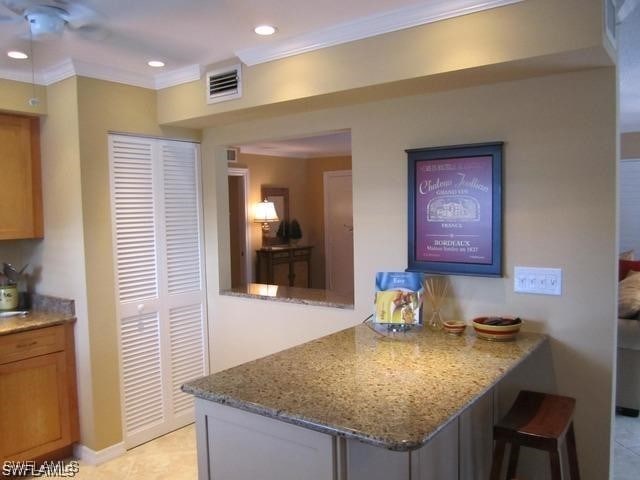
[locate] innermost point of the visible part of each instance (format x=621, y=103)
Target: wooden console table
x=284, y=265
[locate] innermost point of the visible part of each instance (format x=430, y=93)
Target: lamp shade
x=265, y=212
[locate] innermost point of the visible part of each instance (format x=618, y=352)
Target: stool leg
x=556, y=470
x=572, y=454
x=513, y=461
x=496, y=464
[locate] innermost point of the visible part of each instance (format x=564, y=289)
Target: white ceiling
x=188, y=33
x=629, y=68
x=323, y=145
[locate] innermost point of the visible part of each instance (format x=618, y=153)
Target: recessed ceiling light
x=265, y=30
x=155, y=63
x=17, y=55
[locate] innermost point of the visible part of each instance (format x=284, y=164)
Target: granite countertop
x=46, y=312
x=281, y=293
x=394, y=393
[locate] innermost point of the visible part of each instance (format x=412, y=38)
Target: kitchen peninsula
x=356, y=405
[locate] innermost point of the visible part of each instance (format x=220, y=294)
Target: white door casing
x=338, y=231
x=244, y=174
x=159, y=281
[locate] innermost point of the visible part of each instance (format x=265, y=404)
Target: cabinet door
x=301, y=272
x=34, y=407
x=20, y=195
x=280, y=274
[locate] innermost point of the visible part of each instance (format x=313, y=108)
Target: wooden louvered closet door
x=157, y=230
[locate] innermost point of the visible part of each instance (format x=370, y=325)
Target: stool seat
x=541, y=421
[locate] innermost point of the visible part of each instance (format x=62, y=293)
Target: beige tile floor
x=172, y=456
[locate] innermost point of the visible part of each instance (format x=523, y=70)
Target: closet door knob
x=140, y=307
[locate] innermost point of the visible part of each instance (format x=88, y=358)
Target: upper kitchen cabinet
x=21, y=188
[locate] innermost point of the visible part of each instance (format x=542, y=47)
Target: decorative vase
x=435, y=322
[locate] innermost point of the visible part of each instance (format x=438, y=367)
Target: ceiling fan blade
x=78, y=15
x=10, y=19
x=91, y=32
x=17, y=6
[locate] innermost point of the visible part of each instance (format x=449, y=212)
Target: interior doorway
x=238, y=232
x=338, y=220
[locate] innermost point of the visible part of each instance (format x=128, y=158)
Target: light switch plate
x=542, y=281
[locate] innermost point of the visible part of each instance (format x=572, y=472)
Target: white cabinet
x=157, y=238
x=238, y=445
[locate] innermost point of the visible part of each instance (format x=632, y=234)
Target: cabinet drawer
x=18, y=346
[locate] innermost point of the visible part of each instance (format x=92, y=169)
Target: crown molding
x=44, y=77
x=187, y=74
x=110, y=74
x=69, y=68
x=16, y=76
x=365, y=27
x=56, y=73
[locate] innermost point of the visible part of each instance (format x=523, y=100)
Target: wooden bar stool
x=541, y=421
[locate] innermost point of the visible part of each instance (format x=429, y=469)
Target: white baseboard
x=93, y=457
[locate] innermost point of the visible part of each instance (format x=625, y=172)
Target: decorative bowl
x=497, y=329
x=454, y=327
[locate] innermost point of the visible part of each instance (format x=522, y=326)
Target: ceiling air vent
x=232, y=154
x=224, y=84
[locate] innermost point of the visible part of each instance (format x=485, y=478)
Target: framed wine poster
x=455, y=210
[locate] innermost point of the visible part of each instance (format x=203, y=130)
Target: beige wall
x=60, y=255
x=542, y=31
x=630, y=145
x=107, y=107
x=14, y=97
x=315, y=192
x=555, y=129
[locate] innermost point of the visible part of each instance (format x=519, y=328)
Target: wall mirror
x=280, y=198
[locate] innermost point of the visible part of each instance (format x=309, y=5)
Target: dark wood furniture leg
x=572, y=454
x=554, y=460
x=513, y=460
x=498, y=455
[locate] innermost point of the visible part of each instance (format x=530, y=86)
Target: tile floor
x=626, y=453
x=172, y=456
